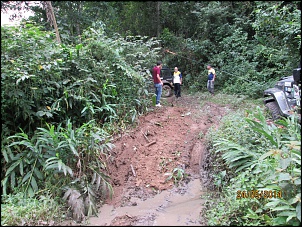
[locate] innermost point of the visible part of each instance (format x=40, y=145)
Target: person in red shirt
x=158, y=84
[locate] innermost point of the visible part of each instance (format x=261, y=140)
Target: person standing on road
x=211, y=79
x=158, y=84
x=177, y=80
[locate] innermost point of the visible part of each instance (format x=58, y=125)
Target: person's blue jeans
x=158, y=91
x=210, y=86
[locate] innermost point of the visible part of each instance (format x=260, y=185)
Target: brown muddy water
x=172, y=207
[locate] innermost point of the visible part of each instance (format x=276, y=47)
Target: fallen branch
x=145, y=136
x=133, y=171
x=151, y=143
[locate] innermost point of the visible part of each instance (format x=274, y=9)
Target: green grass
x=235, y=101
x=17, y=211
x=220, y=98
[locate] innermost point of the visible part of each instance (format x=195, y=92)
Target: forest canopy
x=76, y=72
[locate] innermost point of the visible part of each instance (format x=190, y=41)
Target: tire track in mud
x=142, y=196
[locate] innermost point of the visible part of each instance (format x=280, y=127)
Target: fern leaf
x=4, y=153
x=34, y=184
x=25, y=178
x=244, y=166
x=38, y=174
x=13, y=179
x=30, y=192
x=12, y=167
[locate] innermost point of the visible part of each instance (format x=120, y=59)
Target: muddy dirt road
x=168, y=137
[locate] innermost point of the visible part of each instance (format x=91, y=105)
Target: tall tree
x=158, y=19
x=52, y=19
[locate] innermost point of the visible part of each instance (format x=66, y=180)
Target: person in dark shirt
x=158, y=84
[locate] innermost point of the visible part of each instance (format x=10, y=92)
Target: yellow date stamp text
x=259, y=194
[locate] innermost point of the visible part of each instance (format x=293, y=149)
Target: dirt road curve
x=168, y=137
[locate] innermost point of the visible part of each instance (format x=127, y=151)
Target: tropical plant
x=38, y=163
x=286, y=169
x=273, y=167
x=177, y=175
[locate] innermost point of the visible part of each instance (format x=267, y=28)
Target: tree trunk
x=78, y=19
x=52, y=19
x=158, y=24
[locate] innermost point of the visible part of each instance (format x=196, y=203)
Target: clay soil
x=168, y=137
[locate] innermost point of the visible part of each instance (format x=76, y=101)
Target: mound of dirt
x=168, y=137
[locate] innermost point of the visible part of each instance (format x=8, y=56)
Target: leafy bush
x=67, y=100
x=101, y=78
x=250, y=45
x=255, y=154
x=58, y=158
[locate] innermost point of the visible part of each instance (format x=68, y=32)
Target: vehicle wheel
x=167, y=91
x=274, y=110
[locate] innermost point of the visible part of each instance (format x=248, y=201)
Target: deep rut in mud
x=166, y=138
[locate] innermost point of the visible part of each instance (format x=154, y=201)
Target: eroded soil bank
x=169, y=137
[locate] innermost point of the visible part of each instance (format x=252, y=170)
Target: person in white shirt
x=177, y=80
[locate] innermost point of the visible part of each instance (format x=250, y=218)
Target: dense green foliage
x=235, y=39
x=250, y=44
x=82, y=82
x=253, y=154
x=60, y=103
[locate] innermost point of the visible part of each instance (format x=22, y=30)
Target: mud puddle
x=174, y=207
